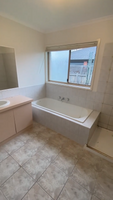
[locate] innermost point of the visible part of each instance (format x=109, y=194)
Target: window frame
x=83, y=86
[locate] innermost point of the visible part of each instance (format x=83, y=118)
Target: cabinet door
x=7, y=125
x=23, y=117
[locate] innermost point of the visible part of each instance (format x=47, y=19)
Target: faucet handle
x=59, y=97
x=67, y=99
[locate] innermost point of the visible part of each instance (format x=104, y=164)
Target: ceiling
x=53, y=15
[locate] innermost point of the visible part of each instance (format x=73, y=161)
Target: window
x=58, y=66
x=74, y=65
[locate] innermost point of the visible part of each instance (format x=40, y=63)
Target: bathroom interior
x=56, y=100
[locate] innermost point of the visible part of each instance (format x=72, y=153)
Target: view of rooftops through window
x=80, y=65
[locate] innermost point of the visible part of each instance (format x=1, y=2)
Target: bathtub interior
x=67, y=110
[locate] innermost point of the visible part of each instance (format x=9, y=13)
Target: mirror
x=8, y=73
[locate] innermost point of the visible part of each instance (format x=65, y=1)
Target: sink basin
x=4, y=103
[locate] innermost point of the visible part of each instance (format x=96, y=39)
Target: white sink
x=4, y=103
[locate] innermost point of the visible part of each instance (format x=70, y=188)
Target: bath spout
x=62, y=99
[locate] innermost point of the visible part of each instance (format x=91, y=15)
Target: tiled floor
x=43, y=165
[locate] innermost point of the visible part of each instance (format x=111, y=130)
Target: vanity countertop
x=16, y=101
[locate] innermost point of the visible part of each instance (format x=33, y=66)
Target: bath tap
x=59, y=97
x=62, y=98
x=67, y=99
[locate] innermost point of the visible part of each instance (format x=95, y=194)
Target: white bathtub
x=64, y=109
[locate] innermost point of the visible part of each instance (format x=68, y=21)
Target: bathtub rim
x=88, y=122
x=82, y=119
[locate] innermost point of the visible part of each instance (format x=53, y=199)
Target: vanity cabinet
x=15, y=117
x=23, y=117
x=7, y=125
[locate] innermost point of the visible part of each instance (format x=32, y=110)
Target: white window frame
x=70, y=47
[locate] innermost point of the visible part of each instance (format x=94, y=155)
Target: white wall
x=29, y=55
x=101, y=97
x=29, y=51
x=102, y=30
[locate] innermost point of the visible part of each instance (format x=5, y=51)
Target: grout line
x=51, y=163
x=14, y=150
x=36, y=181
x=44, y=190
x=4, y=158
x=29, y=188
x=26, y=160
x=3, y=194
x=71, y=176
x=60, y=170
x=9, y=177
x=39, y=178
x=63, y=188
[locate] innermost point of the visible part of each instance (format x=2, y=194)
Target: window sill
x=69, y=85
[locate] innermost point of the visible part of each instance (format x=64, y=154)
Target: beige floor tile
x=58, y=140
x=13, y=145
x=93, y=159
x=98, y=163
x=107, y=168
x=38, y=127
x=24, y=137
x=3, y=154
x=17, y=186
x=75, y=149
x=30, y=131
x=34, y=150
x=51, y=132
x=25, y=153
x=28, y=150
x=42, y=137
x=66, y=162
x=85, y=175
x=52, y=181
x=50, y=151
x=104, y=187
x=27, y=136
x=46, y=134
x=95, y=198
x=73, y=191
x=36, y=166
x=37, y=193
x=73, y=144
x=38, y=141
x=2, y=197
x=7, y=168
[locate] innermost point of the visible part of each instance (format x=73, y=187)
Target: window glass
x=73, y=66
x=81, y=65
x=58, y=65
